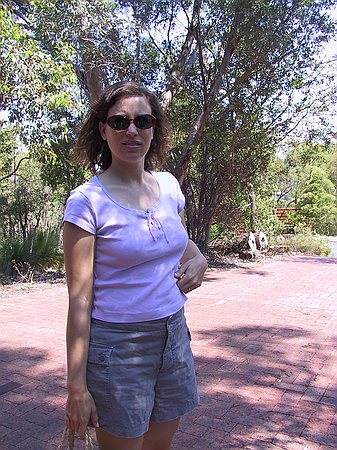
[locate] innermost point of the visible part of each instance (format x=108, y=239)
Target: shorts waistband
x=142, y=326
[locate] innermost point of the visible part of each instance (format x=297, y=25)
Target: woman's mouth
x=131, y=144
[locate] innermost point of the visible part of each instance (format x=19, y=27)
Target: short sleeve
x=180, y=195
x=170, y=185
x=181, y=198
x=79, y=211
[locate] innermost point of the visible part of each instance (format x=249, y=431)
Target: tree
x=258, y=67
x=227, y=72
x=293, y=170
x=317, y=204
x=33, y=82
x=7, y=149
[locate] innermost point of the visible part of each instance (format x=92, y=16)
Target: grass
x=307, y=244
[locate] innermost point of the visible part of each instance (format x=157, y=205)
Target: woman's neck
x=125, y=174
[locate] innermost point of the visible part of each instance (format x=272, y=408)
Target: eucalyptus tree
x=49, y=67
x=293, y=171
x=251, y=59
x=226, y=70
x=33, y=80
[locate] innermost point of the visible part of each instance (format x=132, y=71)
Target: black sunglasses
x=120, y=123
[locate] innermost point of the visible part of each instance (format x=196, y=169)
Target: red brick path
x=265, y=344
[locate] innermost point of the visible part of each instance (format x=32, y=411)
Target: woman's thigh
x=107, y=441
x=121, y=376
x=158, y=437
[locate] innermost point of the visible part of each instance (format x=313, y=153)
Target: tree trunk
x=92, y=77
x=253, y=217
x=184, y=62
x=209, y=103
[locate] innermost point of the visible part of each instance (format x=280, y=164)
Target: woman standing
x=129, y=264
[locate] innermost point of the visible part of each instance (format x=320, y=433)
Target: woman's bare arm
x=79, y=259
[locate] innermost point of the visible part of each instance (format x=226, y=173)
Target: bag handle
x=69, y=436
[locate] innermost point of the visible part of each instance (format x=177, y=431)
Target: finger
x=179, y=274
x=94, y=418
x=81, y=431
x=67, y=421
x=187, y=284
x=184, y=285
x=70, y=423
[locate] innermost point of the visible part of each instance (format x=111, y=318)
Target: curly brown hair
x=93, y=152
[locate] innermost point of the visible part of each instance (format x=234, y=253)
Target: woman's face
x=132, y=144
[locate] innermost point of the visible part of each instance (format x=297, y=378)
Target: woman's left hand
x=191, y=273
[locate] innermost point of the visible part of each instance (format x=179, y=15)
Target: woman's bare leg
x=107, y=441
x=160, y=435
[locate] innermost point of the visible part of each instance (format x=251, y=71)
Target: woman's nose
x=132, y=129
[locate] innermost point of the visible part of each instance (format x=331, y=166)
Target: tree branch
x=178, y=71
x=15, y=169
x=201, y=121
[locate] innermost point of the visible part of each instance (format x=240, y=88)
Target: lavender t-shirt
x=137, y=252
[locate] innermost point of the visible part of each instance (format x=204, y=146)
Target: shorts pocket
x=99, y=354
x=98, y=368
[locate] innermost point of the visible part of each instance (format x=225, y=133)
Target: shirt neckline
x=127, y=208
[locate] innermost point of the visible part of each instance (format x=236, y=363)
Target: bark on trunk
x=91, y=76
x=184, y=62
x=252, y=198
x=209, y=103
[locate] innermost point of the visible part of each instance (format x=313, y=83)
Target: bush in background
x=303, y=241
x=39, y=250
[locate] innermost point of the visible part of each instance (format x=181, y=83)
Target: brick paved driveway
x=264, y=340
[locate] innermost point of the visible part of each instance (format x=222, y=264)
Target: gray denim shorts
x=141, y=372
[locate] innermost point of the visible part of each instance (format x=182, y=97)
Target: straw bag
x=68, y=440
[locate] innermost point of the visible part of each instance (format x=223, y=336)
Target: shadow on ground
x=32, y=399
x=261, y=388
x=318, y=259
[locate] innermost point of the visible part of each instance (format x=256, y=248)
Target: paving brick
x=33, y=444
x=4, y=431
x=264, y=343
x=294, y=443
x=194, y=429
x=184, y=441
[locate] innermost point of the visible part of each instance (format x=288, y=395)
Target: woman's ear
x=101, y=127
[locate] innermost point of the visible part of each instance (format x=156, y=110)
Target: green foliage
x=38, y=250
x=299, y=161
x=33, y=81
x=26, y=202
x=317, y=204
x=266, y=217
x=7, y=149
x=30, y=211
x=306, y=178
x=229, y=75
x=304, y=242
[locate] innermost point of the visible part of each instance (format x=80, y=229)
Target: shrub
x=309, y=244
x=316, y=205
x=40, y=250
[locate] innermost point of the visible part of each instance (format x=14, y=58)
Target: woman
x=129, y=264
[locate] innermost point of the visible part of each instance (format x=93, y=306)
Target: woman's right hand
x=80, y=408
